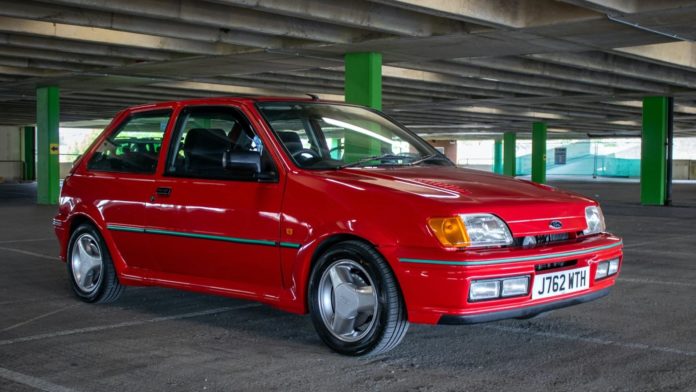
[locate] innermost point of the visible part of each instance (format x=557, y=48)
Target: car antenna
x=314, y=97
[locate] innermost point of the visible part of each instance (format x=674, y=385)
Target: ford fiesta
x=322, y=208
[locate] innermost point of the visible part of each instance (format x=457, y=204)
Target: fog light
x=515, y=286
x=613, y=266
x=602, y=269
x=484, y=289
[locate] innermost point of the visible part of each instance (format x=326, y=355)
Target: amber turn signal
x=451, y=231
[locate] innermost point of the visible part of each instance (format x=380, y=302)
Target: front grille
x=550, y=266
x=540, y=240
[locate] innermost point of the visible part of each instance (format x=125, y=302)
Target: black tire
x=386, y=326
x=106, y=288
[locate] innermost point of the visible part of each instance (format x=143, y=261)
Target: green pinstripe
x=512, y=259
x=126, y=228
x=203, y=236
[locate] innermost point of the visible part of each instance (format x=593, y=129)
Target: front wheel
x=89, y=265
x=355, y=302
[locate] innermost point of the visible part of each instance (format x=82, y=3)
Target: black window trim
x=176, y=134
x=131, y=115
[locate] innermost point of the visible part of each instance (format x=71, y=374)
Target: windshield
x=334, y=136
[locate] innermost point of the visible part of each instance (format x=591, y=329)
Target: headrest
x=205, y=139
x=205, y=145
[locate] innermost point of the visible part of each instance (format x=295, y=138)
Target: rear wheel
x=92, y=274
x=355, y=302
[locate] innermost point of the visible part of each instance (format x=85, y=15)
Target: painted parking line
x=39, y=317
x=28, y=240
x=125, y=324
x=32, y=381
x=597, y=341
x=28, y=253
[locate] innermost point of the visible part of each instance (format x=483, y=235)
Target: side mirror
x=245, y=162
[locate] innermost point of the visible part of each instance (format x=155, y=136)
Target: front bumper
x=436, y=283
x=522, y=312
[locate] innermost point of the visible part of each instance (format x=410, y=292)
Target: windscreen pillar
x=509, y=146
x=498, y=156
x=539, y=152
x=363, y=86
x=29, y=153
x=653, y=154
x=47, y=168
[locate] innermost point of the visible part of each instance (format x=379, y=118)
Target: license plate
x=564, y=282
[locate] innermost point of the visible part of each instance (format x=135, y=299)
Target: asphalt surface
x=640, y=338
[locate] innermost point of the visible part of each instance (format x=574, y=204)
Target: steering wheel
x=306, y=154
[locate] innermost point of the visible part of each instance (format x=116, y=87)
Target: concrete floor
x=640, y=338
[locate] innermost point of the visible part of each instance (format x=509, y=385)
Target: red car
x=322, y=208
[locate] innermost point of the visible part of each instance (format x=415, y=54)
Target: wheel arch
x=79, y=218
x=326, y=244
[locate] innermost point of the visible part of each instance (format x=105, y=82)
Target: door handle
x=163, y=191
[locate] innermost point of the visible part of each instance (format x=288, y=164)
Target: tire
x=372, y=316
x=90, y=269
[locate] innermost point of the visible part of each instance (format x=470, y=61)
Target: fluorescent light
x=359, y=130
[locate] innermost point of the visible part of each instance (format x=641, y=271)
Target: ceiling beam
x=138, y=24
x=358, y=14
x=501, y=13
x=226, y=17
x=112, y=37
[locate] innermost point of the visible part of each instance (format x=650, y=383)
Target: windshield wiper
x=374, y=158
x=425, y=159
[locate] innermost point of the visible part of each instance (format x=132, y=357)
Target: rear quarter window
x=134, y=147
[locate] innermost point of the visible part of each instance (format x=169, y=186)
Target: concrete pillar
x=363, y=86
x=653, y=155
x=498, y=156
x=48, y=168
x=539, y=152
x=509, y=154
x=363, y=79
x=29, y=153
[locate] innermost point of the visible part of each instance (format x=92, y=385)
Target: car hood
x=527, y=208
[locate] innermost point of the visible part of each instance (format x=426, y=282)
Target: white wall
x=10, y=153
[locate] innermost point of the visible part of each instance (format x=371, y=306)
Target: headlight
x=594, y=219
x=471, y=230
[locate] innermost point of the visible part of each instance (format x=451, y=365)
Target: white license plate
x=564, y=282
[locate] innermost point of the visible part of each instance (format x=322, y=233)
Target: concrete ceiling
x=452, y=67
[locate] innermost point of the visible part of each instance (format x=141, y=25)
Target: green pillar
x=653, y=155
x=539, y=152
x=29, y=145
x=509, y=156
x=48, y=168
x=363, y=86
x=363, y=79
x=498, y=156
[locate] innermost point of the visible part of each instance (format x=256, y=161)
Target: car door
x=120, y=175
x=212, y=226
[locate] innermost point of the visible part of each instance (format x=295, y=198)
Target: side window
x=205, y=136
x=134, y=146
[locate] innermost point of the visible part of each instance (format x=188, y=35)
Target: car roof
x=223, y=100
